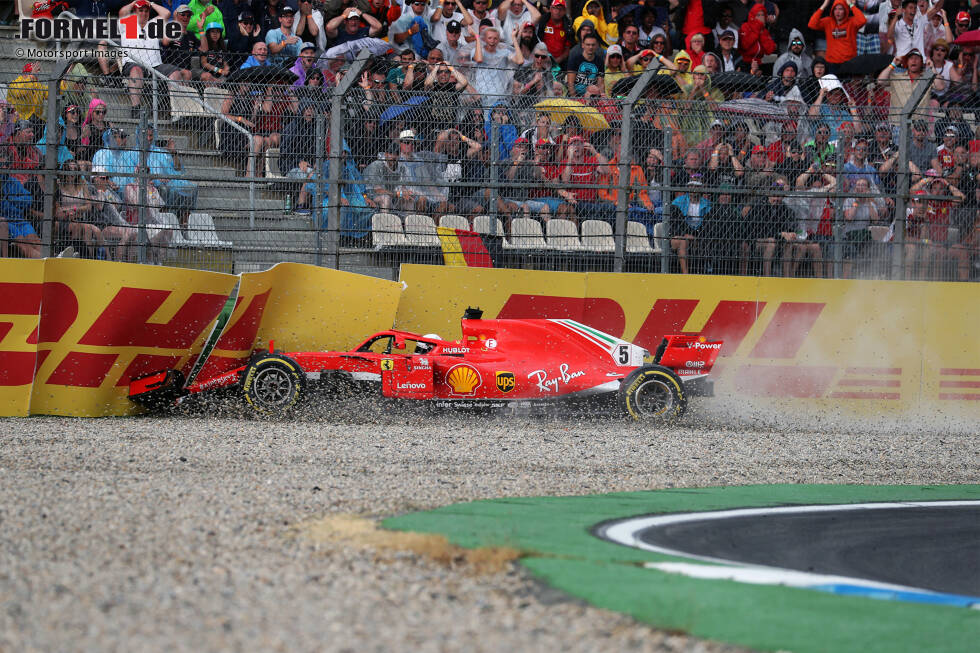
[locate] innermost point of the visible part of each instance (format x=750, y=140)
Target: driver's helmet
x=426, y=347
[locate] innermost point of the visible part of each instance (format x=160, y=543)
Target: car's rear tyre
x=653, y=394
x=273, y=384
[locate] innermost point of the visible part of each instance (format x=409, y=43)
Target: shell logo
x=463, y=380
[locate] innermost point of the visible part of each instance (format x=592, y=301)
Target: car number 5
x=623, y=355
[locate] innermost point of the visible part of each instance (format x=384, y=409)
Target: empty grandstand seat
x=214, y=98
x=953, y=235
x=525, y=233
x=659, y=230
x=483, y=223
x=562, y=234
x=420, y=231
x=272, y=169
x=387, y=231
x=878, y=233
x=182, y=102
x=597, y=236
x=201, y=232
x=453, y=221
x=167, y=221
x=636, y=239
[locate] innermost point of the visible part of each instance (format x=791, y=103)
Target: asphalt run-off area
x=773, y=567
x=932, y=546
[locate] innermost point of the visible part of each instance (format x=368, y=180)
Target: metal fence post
x=665, y=202
x=623, y=186
x=51, y=159
x=317, y=211
x=334, y=156
x=494, y=171
x=626, y=166
x=837, y=222
x=142, y=179
x=902, y=186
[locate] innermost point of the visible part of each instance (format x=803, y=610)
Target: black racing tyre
x=653, y=394
x=273, y=384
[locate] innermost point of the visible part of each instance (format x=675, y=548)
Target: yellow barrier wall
x=302, y=308
x=869, y=347
x=87, y=327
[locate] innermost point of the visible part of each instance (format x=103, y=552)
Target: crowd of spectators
x=817, y=127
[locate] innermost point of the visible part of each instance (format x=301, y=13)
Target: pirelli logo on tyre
x=506, y=381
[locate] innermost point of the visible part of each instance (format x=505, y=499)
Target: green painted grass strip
x=554, y=533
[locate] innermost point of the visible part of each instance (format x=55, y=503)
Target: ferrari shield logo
x=505, y=381
x=387, y=364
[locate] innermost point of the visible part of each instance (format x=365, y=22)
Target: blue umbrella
x=396, y=110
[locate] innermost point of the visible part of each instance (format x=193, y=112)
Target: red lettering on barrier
x=144, y=364
x=666, y=316
x=241, y=335
x=597, y=312
x=787, y=330
x=59, y=308
x=729, y=322
x=777, y=381
x=124, y=322
x=16, y=367
x=82, y=370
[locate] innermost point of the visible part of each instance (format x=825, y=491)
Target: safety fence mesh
x=388, y=159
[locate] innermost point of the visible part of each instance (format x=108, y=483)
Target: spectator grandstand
x=572, y=134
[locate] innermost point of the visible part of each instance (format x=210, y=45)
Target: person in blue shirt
x=178, y=194
x=689, y=213
x=259, y=56
x=283, y=43
x=119, y=157
x=833, y=106
x=15, y=225
x=64, y=154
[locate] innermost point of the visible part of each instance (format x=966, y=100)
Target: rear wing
x=688, y=355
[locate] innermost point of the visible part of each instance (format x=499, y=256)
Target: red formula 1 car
x=497, y=363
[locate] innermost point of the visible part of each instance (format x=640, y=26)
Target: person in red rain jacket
x=840, y=29
x=754, y=41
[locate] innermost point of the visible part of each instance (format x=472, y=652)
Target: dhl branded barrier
x=872, y=347
x=302, y=308
x=73, y=332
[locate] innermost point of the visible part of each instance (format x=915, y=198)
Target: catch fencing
x=376, y=162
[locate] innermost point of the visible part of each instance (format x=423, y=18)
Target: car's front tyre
x=273, y=384
x=653, y=394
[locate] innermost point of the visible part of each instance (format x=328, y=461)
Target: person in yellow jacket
x=27, y=95
x=593, y=11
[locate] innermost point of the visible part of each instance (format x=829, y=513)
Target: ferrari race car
x=497, y=364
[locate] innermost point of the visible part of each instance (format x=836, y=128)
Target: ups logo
x=505, y=381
